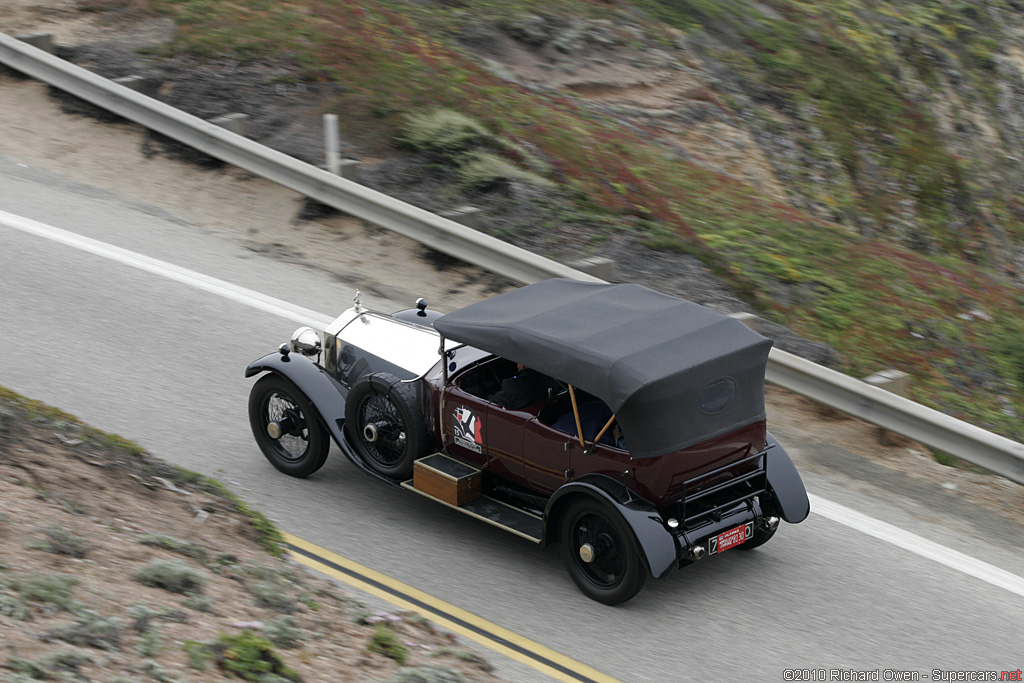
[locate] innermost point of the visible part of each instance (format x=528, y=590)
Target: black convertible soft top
x=675, y=373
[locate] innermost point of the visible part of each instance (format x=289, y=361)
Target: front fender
x=325, y=393
x=785, y=483
x=657, y=544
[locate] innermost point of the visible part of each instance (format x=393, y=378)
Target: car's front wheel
x=600, y=552
x=286, y=427
x=385, y=422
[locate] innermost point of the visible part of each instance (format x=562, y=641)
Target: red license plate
x=730, y=539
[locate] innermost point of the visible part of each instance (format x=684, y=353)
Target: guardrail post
x=146, y=86
x=236, y=123
x=893, y=381
x=349, y=169
x=331, y=144
x=346, y=168
x=598, y=266
x=467, y=215
x=44, y=41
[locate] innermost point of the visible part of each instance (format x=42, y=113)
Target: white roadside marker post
x=331, y=143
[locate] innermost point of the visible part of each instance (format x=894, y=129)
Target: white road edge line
x=212, y=285
x=917, y=544
x=826, y=508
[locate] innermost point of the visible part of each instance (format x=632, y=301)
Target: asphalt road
x=161, y=362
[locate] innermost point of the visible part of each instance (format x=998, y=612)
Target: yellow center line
x=449, y=616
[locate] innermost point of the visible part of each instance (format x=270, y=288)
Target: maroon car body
x=410, y=398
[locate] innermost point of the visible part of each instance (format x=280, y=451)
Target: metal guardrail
x=854, y=397
x=435, y=231
x=897, y=414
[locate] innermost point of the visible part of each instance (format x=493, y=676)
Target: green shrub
x=199, y=654
x=149, y=643
x=172, y=575
x=523, y=155
x=272, y=596
x=142, y=615
x=944, y=458
x=157, y=672
x=462, y=654
x=443, y=133
x=250, y=657
x=486, y=170
x=55, y=589
x=186, y=548
x=222, y=560
x=14, y=608
x=62, y=664
x=245, y=655
x=262, y=572
x=385, y=642
x=91, y=629
x=200, y=603
x=283, y=631
x=60, y=541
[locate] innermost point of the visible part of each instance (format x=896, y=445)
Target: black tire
x=760, y=537
x=385, y=422
x=617, y=572
x=304, y=444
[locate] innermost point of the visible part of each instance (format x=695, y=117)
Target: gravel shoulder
x=230, y=202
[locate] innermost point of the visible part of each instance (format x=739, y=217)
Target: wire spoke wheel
x=293, y=444
x=286, y=426
x=388, y=432
x=384, y=423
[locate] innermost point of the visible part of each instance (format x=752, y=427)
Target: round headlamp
x=306, y=341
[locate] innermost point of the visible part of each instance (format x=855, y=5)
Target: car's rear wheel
x=286, y=427
x=385, y=422
x=600, y=552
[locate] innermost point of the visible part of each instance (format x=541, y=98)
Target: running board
x=456, y=485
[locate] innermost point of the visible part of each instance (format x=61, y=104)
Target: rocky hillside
x=115, y=566
x=849, y=169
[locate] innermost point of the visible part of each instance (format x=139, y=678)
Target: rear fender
x=658, y=546
x=785, y=483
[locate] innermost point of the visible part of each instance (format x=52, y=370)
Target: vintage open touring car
x=624, y=424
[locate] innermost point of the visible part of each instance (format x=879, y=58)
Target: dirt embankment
x=286, y=116
x=115, y=566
